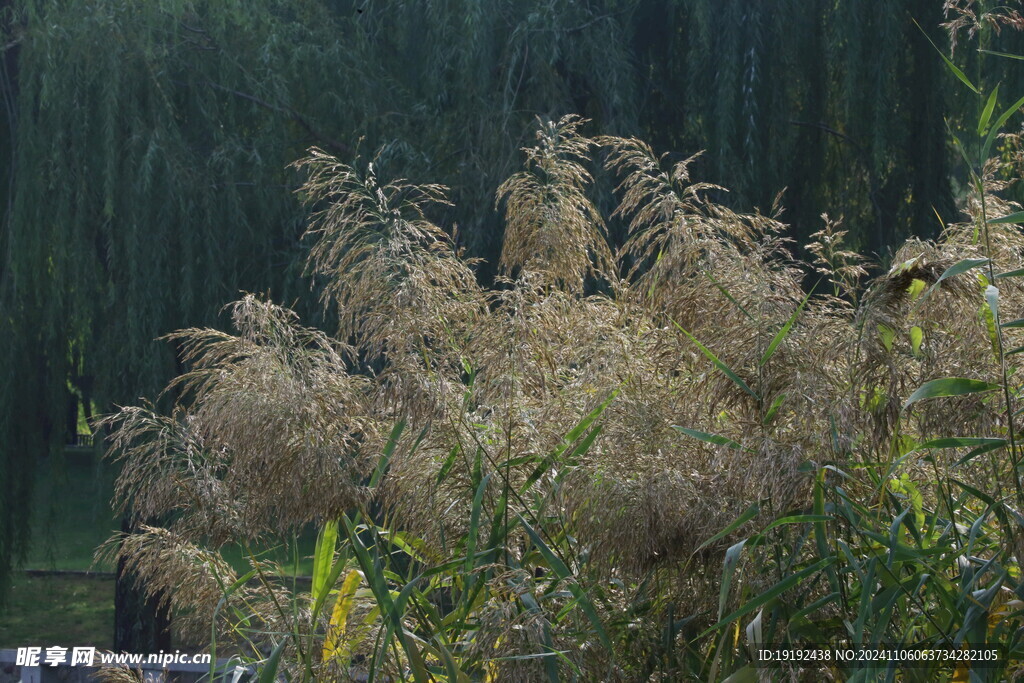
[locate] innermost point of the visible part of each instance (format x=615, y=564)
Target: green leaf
x=1017, y=217
x=323, y=558
x=776, y=404
x=389, y=449
x=796, y=519
x=999, y=126
x=985, y=448
x=1002, y=54
x=729, y=564
x=564, y=574
x=570, y=438
x=1011, y=273
x=711, y=438
x=781, y=334
x=960, y=442
x=448, y=463
x=986, y=114
x=1019, y=322
x=952, y=67
x=268, y=673
x=719, y=364
x=729, y=296
x=886, y=335
x=959, y=268
x=747, y=515
x=949, y=386
x=474, y=524
x=773, y=592
x=916, y=337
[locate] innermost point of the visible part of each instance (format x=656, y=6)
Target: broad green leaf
x=570, y=438
x=580, y=449
x=323, y=558
x=1011, y=273
x=986, y=114
x=949, y=386
x=389, y=449
x=959, y=268
x=916, y=288
x=710, y=438
x=474, y=524
x=729, y=564
x=961, y=442
x=268, y=672
x=1017, y=217
x=1019, y=322
x=729, y=296
x=448, y=463
x=991, y=445
x=336, y=628
x=796, y=519
x=781, y=334
x=745, y=674
x=719, y=364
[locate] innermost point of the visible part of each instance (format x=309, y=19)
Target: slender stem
x=1007, y=396
x=273, y=598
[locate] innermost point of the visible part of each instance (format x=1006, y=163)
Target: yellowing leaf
x=333, y=644
x=916, y=288
x=916, y=337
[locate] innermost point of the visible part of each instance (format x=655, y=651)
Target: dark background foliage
x=146, y=148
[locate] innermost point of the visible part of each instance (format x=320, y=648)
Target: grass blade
x=747, y=515
x=986, y=114
x=1017, y=217
x=729, y=564
x=952, y=67
x=949, y=386
x=711, y=438
x=773, y=592
x=959, y=268
x=998, y=126
x=564, y=574
x=719, y=364
x=781, y=334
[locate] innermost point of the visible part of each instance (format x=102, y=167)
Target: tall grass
x=642, y=464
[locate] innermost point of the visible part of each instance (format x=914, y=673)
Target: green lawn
x=72, y=513
x=58, y=610
x=72, y=516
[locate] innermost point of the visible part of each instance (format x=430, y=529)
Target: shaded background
x=146, y=145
